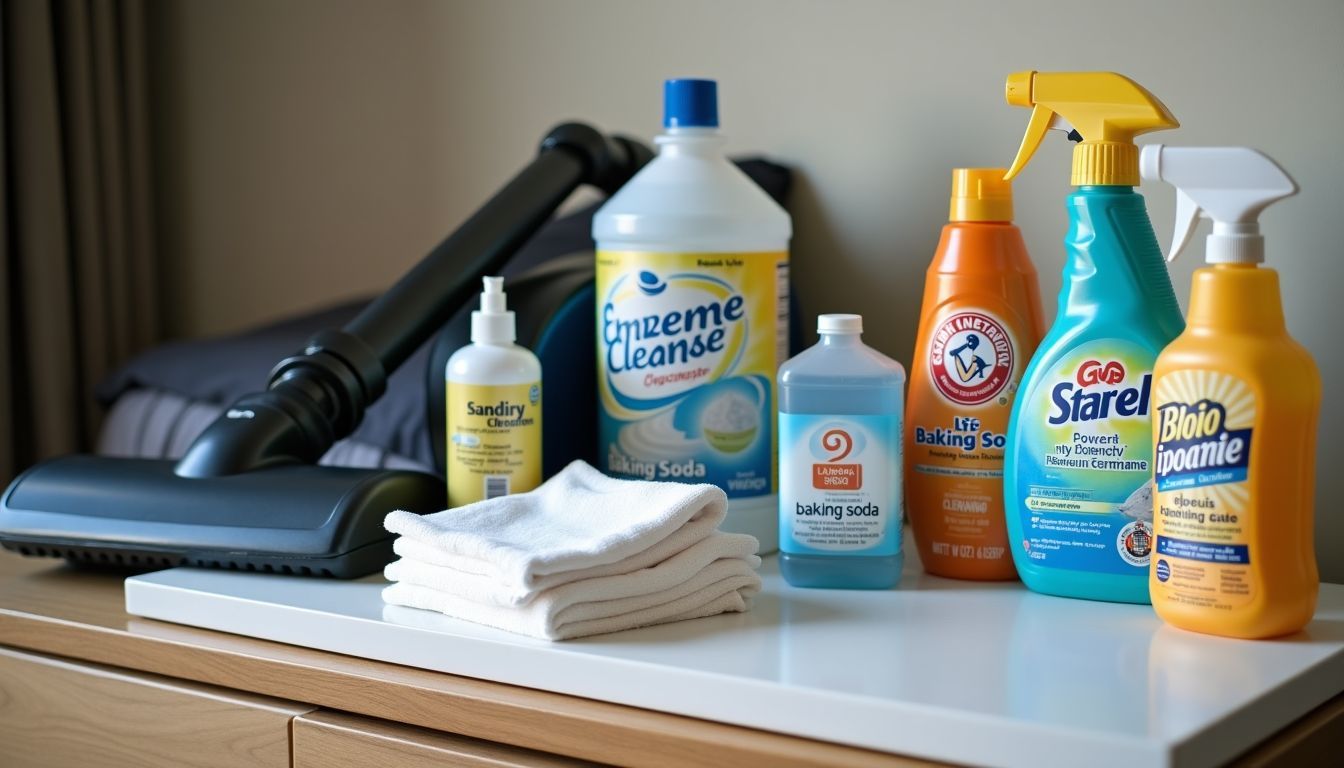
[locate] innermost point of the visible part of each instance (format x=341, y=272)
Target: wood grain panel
x=59, y=713
x=79, y=614
x=325, y=739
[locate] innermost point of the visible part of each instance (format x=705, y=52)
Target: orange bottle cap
x=981, y=194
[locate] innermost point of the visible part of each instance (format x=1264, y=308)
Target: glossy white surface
x=964, y=672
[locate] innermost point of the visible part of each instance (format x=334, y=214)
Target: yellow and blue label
x=1203, y=428
x=688, y=346
x=1086, y=461
x=494, y=440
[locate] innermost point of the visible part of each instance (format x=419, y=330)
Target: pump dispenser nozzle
x=493, y=323
x=1230, y=185
x=1107, y=110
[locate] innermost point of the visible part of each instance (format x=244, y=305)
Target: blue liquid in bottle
x=840, y=406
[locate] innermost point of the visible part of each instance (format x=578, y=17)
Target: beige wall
x=311, y=150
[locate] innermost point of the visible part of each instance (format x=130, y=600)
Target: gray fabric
x=78, y=275
x=220, y=370
x=154, y=424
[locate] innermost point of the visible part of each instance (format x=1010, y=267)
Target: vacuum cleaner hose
x=319, y=396
x=401, y=319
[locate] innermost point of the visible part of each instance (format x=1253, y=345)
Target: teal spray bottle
x=1078, y=466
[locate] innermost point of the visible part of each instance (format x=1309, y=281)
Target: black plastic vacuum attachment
x=247, y=494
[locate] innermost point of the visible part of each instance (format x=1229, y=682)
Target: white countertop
x=958, y=671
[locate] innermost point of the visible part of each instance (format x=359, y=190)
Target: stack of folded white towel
x=581, y=555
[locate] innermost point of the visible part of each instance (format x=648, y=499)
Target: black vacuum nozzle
x=247, y=493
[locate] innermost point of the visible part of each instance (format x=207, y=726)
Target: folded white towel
x=567, y=611
x=581, y=555
x=578, y=519
x=644, y=573
x=514, y=592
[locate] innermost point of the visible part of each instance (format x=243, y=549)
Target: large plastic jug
x=692, y=318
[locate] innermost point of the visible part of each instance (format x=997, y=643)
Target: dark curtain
x=78, y=276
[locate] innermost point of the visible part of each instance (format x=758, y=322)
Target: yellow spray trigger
x=1042, y=120
x=1108, y=110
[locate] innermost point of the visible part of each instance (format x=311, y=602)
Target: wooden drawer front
x=325, y=739
x=58, y=713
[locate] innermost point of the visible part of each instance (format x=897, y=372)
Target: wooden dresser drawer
x=326, y=739
x=60, y=713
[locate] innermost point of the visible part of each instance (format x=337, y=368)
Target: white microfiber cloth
x=491, y=587
x=568, y=611
x=646, y=573
x=583, y=554
x=578, y=519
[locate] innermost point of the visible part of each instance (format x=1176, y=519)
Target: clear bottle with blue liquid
x=840, y=406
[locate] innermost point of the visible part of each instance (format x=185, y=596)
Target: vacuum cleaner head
x=248, y=493
x=138, y=513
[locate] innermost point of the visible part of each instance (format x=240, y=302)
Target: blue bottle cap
x=690, y=103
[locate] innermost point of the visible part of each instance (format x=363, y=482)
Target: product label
x=1203, y=427
x=840, y=484
x=494, y=440
x=961, y=403
x=1085, y=461
x=688, y=345
x=970, y=357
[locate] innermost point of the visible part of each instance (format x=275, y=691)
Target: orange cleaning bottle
x=979, y=325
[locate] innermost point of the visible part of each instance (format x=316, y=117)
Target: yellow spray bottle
x=1235, y=402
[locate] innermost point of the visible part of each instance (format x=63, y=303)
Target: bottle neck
x=832, y=339
x=989, y=248
x=1236, y=298
x=1106, y=189
x=1114, y=259
x=493, y=329
x=697, y=142
x=1096, y=267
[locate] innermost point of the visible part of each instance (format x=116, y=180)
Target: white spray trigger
x=1230, y=185
x=1187, y=216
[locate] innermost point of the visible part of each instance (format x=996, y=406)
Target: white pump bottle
x=494, y=407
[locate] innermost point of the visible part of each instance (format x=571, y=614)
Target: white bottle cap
x=493, y=323
x=839, y=323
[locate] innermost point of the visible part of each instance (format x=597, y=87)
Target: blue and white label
x=840, y=484
x=1085, y=461
x=1195, y=449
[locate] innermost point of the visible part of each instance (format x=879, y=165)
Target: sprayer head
x=1106, y=109
x=1229, y=185
x=493, y=323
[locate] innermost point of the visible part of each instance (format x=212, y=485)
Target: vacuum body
x=248, y=493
